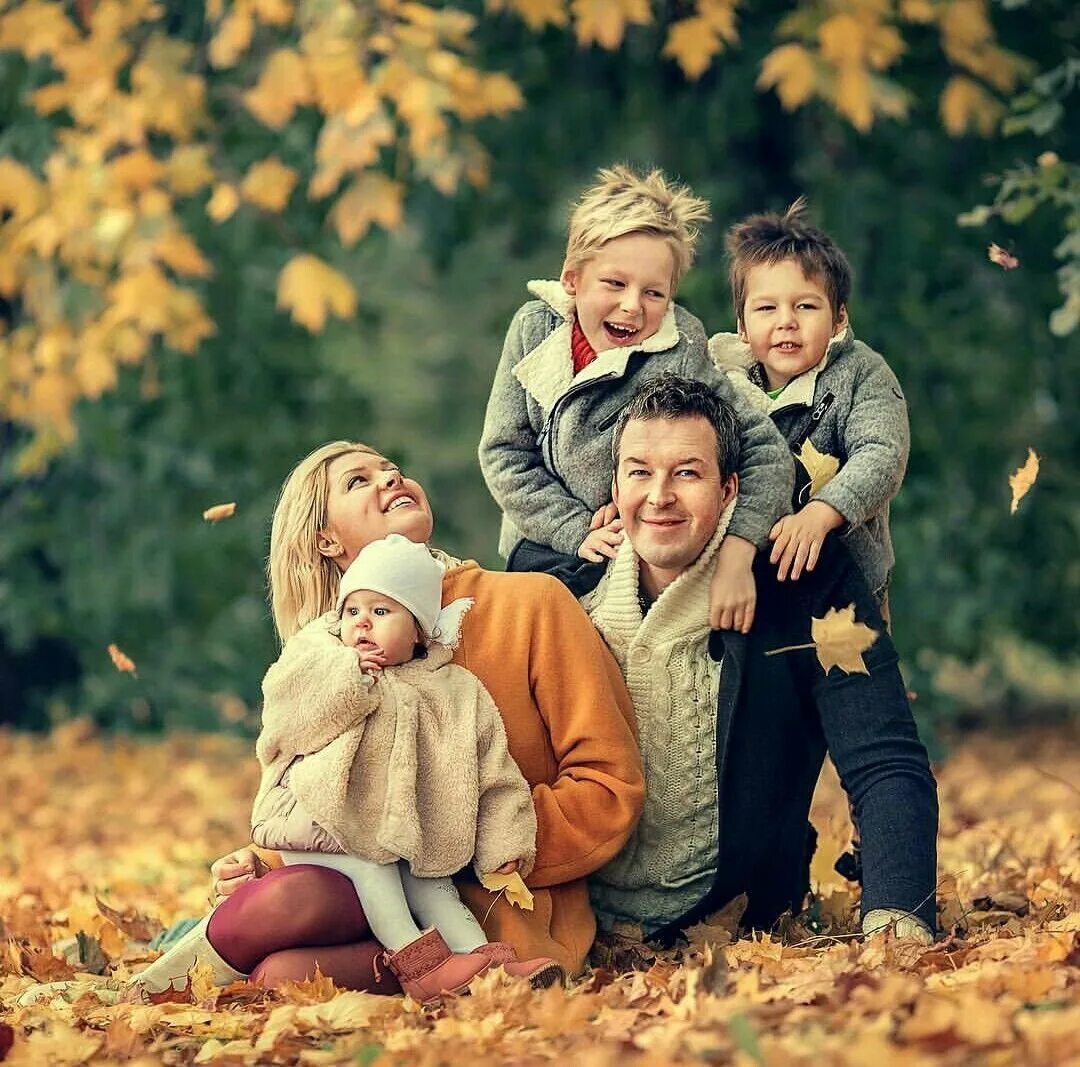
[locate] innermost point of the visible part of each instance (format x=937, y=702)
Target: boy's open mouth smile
x=787, y=346
x=620, y=333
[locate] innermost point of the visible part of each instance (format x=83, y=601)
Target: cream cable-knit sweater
x=669, y=863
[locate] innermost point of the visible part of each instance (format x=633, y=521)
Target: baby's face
x=377, y=623
x=787, y=320
x=622, y=293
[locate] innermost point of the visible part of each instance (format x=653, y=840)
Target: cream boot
x=171, y=968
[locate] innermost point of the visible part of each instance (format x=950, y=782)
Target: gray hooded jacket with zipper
x=545, y=451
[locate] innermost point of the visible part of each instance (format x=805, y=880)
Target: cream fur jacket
x=410, y=765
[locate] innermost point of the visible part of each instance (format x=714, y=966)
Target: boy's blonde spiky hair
x=303, y=582
x=624, y=202
x=771, y=238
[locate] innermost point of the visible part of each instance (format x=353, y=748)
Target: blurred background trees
x=234, y=231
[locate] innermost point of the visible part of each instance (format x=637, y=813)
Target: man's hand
x=372, y=660
x=732, y=594
x=602, y=543
x=232, y=871
x=797, y=539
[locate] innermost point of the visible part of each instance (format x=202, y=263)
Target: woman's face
x=370, y=498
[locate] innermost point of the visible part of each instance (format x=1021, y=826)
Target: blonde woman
x=563, y=702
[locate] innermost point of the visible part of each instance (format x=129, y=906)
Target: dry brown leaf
x=1005, y=260
x=219, y=512
x=1022, y=479
x=121, y=661
x=840, y=640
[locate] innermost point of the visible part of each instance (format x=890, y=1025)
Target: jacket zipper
x=552, y=421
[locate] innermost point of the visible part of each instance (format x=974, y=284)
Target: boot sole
x=547, y=976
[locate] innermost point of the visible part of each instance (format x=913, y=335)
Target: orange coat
x=570, y=728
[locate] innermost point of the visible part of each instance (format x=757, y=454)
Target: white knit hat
x=408, y=572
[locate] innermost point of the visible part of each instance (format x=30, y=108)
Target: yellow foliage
x=309, y=289
x=178, y=251
x=1022, y=479
x=536, y=14
x=268, y=184
x=967, y=105
x=36, y=29
x=692, y=43
x=604, y=22
x=792, y=71
x=223, y=202
x=282, y=87
x=189, y=169
x=20, y=191
x=233, y=37
x=370, y=198
x=853, y=96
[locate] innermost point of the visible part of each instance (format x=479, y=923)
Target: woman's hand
x=232, y=871
x=602, y=543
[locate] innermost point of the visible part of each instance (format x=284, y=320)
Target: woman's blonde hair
x=624, y=202
x=303, y=582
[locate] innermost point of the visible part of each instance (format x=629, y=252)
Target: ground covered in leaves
x=104, y=841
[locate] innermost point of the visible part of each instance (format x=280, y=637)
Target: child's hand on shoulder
x=797, y=539
x=604, y=537
x=733, y=594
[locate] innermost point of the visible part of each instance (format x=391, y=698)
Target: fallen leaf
x=219, y=512
x=121, y=661
x=840, y=640
x=516, y=891
x=1006, y=261
x=819, y=466
x=137, y=926
x=1023, y=479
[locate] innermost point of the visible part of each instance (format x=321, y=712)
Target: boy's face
x=787, y=320
x=374, y=622
x=622, y=293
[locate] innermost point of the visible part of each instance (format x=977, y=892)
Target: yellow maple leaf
x=604, y=21
x=232, y=38
x=843, y=39
x=310, y=288
x=792, y=71
x=223, y=202
x=854, y=96
x=188, y=168
x=819, y=466
x=371, y=198
x=177, y=250
x=840, y=640
x=268, y=184
x=220, y=511
x=1023, y=479
x=516, y=891
x=536, y=14
x=121, y=661
x=965, y=105
x=692, y=43
x=283, y=86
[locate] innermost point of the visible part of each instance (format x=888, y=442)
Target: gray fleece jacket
x=545, y=450
x=863, y=426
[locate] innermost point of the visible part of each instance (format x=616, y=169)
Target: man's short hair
x=772, y=238
x=671, y=396
x=622, y=202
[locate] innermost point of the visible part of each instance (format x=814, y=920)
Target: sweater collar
x=547, y=372
x=682, y=609
x=729, y=351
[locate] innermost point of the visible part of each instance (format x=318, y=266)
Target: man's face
x=669, y=493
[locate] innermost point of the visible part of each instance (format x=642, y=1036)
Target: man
x=732, y=738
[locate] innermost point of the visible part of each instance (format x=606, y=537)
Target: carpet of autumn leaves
x=102, y=841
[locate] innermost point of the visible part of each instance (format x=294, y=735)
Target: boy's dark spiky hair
x=772, y=238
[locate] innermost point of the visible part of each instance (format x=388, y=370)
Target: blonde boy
x=571, y=360
x=796, y=354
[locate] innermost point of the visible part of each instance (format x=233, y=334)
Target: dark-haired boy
x=833, y=398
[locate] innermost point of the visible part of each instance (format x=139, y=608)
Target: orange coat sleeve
x=588, y=812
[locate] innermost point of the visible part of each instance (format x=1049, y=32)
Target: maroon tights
x=276, y=928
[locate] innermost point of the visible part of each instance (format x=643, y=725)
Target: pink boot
x=541, y=971
x=426, y=968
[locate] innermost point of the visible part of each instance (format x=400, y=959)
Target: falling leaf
x=120, y=661
x=1006, y=261
x=819, y=466
x=840, y=640
x=516, y=891
x=269, y=184
x=692, y=43
x=604, y=21
x=309, y=288
x=1023, y=479
x=220, y=511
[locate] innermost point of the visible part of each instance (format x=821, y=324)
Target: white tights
x=395, y=900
